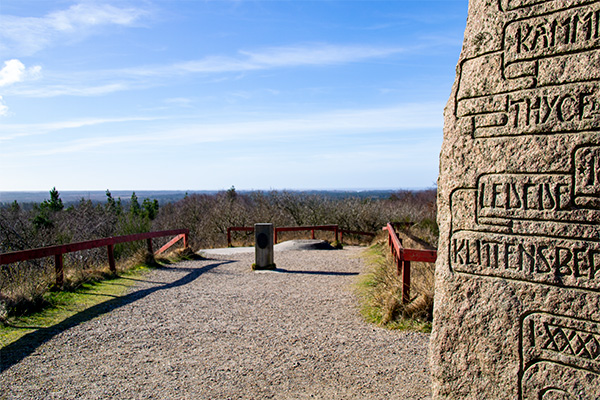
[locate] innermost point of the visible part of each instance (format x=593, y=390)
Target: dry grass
x=26, y=285
x=380, y=290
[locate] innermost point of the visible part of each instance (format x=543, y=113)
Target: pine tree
x=111, y=204
x=55, y=203
x=134, y=207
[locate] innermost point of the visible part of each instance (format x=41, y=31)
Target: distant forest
x=165, y=196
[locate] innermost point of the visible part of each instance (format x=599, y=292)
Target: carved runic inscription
x=587, y=177
x=529, y=85
x=561, y=338
x=559, y=209
x=554, y=34
x=518, y=270
x=571, y=342
x=559, y=346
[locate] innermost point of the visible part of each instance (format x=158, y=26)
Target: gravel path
x=212, y=329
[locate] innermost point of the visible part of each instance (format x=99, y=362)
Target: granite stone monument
x=517, y=302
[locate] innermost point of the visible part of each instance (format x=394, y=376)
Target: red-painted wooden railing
x=333, y=228
x=59, y=250
x=403, y=257
x=237, y=228
x=349, y=232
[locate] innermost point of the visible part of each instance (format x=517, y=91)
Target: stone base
x=266, y=267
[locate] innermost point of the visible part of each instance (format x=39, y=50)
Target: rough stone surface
x=517, y=307
x=213, y=329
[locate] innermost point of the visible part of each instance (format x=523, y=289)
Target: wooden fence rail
x=403, y=257
x=332, y=228
x=59, y=250
x=237, y=228
x=339, y=233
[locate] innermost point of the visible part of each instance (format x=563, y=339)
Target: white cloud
x=14, y=71
x=28, y=35
x=3, y=108
x=83, y=15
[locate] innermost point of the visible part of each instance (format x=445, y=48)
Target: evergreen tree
x=231, y=193
x=111, y=204
x=150, y=208
x=134, y=207
x=47, y=209
x=55, y=203
x=119, y=206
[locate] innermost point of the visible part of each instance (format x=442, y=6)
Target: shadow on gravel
x=17, y=351
x=132, y=279
x=333, y=273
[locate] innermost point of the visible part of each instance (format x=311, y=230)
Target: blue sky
x=203, y=95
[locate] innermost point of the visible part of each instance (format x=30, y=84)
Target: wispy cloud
x=315, y=54
x=77, y=89
x=27, y=35
x=116, y=80
x=404, y=117
x=12, y=131
x=3, y=108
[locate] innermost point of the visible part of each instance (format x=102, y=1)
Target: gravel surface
x=213, y=329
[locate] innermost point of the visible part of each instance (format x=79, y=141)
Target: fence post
x=275, y=236
x=228, y=237
x=111, y=258
x=341, y=237
x=400, y=264
x=312, y=234
x=336, y=234
x=405, y=282
x=150, y=249
x=59, y=270
x=185, y=240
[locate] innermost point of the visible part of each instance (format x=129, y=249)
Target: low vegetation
x=380, y=288
x=24, y=286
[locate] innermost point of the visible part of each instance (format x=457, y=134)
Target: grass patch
x=60, y=305
x=380, y=292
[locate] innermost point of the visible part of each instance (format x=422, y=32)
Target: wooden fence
x=59, y=250
x=403, y=257
x=339, y=233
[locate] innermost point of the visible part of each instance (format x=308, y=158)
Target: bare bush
x=208, y=217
